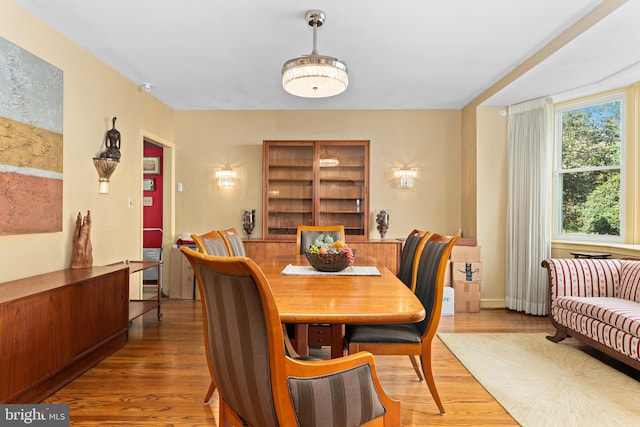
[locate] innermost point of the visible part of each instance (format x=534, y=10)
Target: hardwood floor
x=160, y=377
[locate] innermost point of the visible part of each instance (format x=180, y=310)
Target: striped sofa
x=598, y=302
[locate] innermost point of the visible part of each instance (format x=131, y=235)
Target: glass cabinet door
x=288, y=188
x=342, y=183
x=315, y=183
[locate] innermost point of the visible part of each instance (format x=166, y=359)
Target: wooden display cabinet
x=315, y=183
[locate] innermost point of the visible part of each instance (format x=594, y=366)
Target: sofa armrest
x=582, y=277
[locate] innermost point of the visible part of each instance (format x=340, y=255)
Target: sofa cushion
x=630, y=281
x=612, y=337
x=617, y=312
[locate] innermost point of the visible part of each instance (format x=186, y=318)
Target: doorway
x=154, y=215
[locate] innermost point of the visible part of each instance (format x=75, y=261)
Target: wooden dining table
x=337, y=299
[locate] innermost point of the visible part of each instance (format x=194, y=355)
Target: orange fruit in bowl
x=338, y=244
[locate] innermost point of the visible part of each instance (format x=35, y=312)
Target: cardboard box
x=448, y=305
x=447, y=275
x=466, y=241
x=467, y=297
x=181, y=276
x=465, y=253
x=468, y=271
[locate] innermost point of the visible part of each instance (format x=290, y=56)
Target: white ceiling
x=401, y=54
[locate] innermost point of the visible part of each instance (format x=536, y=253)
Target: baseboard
x=492, y=303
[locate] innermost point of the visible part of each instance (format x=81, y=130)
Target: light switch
x=147, y=201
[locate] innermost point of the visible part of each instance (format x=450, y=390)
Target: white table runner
x=307, y=270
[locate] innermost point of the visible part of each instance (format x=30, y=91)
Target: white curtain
x=529, y=151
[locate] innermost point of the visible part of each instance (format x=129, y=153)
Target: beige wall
x=468, y=162
x=93, y=94
x=428, y=140
x=491, y=185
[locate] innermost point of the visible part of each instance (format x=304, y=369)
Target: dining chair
x=412, y=338
x=258, y=385
x=407, y=273
x=212, y=243
x=307, y=234
x=234, y=241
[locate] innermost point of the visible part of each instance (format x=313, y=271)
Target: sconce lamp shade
x=105, y=167
x=226, y=178
x=405, y=177
x=108, y=160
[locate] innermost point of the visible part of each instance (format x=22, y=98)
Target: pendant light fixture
x=313, y=75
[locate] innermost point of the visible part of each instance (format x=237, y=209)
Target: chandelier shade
x=315, y=76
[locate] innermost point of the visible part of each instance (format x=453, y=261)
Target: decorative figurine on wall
x=112, y=141
x=82, y=256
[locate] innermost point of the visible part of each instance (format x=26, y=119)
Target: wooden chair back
x=212, y=243
x=234, y=241
x=411, y=252
x=429, y=289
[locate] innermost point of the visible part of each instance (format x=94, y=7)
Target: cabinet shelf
x=298, y=191
x=288, y=212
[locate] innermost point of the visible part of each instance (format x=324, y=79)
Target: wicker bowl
x=328, y=262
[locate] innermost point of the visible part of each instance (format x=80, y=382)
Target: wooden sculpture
x=82, y=257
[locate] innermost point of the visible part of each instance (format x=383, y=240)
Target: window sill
x=562, y=248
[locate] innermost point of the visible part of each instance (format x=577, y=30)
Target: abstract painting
x=31, y=92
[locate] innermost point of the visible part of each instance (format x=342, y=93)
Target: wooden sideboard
x=388, y=252
x=55, y=326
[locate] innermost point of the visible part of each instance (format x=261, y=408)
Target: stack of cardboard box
x=466, y=276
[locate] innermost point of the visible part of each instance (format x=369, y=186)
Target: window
x=588, y=177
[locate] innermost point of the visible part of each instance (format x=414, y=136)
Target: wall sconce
x=108, y=160
x=105, y=168
x=405, y=177
x=226, y=178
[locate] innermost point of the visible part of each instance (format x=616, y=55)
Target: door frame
x=168, y=199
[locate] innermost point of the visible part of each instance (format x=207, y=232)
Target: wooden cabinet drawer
x=319, y=335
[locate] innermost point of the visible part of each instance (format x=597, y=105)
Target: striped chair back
x=411, y=251
x=212, y=243
x=239, y=348
x=234, y=242
x=430, y=278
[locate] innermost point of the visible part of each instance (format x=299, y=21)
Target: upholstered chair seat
x=388, y=333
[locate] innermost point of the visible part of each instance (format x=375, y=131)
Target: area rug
x=541, y=383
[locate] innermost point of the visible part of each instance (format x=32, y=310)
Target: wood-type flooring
x=160, y=377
